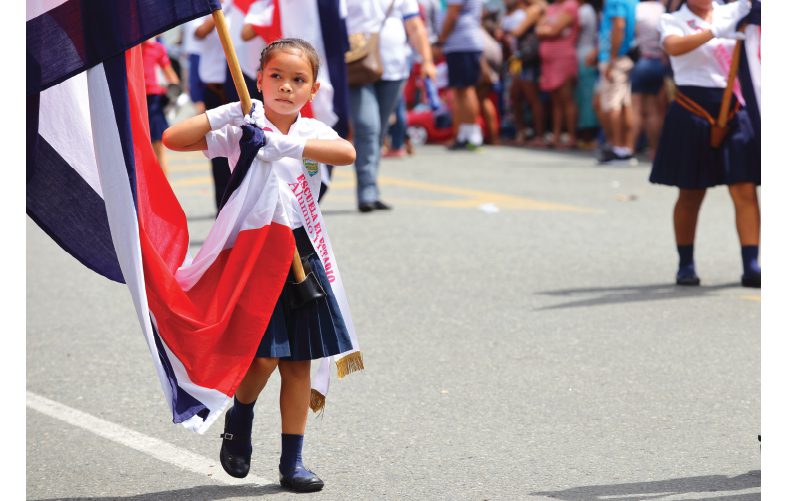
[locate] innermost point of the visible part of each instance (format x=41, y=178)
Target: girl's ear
x=258, y=80
x=314, y=90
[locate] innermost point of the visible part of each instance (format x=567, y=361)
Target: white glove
x=227, y=114
x=725, y=27
x=256, y=116
x=279, y=146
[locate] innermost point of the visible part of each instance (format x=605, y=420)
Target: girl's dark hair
x=290, y=44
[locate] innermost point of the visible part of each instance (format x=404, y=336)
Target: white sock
x=622, y=151
x=476, y=134
x=463, y=133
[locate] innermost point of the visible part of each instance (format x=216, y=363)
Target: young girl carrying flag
x=295, y=335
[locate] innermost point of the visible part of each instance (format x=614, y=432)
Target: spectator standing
x=698, y=39
x=155, y=58
x=213, y=71
x=648, y=97
x=558, y=33
x=372, y=104
x=462, y=44
x=519, y=29
x=586, y=51
x=192, y=47
x=617, y=27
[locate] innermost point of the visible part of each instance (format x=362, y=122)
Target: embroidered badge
x=311, y=166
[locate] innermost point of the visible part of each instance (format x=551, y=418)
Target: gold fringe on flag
x=317, y=401
x=349, y=363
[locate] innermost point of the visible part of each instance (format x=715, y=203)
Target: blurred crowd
x=560, y=74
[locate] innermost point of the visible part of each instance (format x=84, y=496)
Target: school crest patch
x=311, y=166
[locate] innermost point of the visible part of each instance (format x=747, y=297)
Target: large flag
x=750, y=66
x=94, y=185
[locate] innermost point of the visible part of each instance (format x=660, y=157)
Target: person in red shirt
x=154, y=55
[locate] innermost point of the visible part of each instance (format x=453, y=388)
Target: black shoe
x=366, y=207
x=234, y=465
x=753, y=280
x=303, y=481
x=378, y=205
x=607, y=156
x=458, y=146
x=687, y=279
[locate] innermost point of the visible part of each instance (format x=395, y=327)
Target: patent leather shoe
x=233, y=464
x=302, y=480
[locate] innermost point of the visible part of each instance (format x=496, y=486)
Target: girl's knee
x=743, y=193
x=264, y=365
x=295, y=369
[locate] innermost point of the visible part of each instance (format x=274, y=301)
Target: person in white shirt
x=371, y=105
x=699, y=39
x=294, y=336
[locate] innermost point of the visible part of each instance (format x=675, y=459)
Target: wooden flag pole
x=244, y=97
x=722, y=119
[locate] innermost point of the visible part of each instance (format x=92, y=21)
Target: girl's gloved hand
x=726, y=27
x=227, y=114
x=279, y=146
x=256, y=116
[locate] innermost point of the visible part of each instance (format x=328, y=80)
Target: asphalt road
x=521, y=335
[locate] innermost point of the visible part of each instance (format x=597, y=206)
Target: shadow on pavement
x=707, y=485
x=631, y=294
x=198, y=493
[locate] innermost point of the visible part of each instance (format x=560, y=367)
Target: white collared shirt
x=224, y=142
x=707, y=65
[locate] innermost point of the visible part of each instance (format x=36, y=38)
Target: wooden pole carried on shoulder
x=244, y=97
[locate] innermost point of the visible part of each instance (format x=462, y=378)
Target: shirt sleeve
x=615, y=8
x=163, y=57
x=409, y=9
x=224, y=143
x=669, y=26
x=325, y=132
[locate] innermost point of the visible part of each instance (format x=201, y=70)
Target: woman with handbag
x=377, y=69
x=699, y=38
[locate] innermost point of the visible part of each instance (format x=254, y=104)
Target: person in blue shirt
x=617, y=25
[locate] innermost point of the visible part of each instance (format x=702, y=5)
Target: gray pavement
x=521, y=335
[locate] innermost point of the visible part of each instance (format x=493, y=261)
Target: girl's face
x=286, y=81
x=700, y=4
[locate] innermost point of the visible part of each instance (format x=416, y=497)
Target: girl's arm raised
x=189, y=135
x=330, y=151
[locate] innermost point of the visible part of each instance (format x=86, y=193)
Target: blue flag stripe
x=117, y=77
x=61, y=202
x=79, y=34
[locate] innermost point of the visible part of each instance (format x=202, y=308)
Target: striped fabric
x=94, y=185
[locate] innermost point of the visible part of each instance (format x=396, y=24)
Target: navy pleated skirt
x=314, y=330
x=685, y=157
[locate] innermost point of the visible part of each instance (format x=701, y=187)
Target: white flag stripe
x=214, y=400
x=64, y=123
x=158, y=449
x=122, y=218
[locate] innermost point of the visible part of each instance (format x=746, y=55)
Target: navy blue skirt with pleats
x=685, y=157
x=312, y=331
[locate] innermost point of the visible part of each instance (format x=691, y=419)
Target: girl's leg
x=748, y=225
x=687, y=208
x=295, y=395
x=295, y=399
x=237, y=445
x=637, y=112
